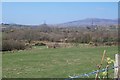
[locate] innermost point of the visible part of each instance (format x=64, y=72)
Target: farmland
x=59, y=40
x=46, y=51
x=42, y=62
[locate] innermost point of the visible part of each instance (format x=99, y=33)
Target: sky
x=60, y=0
x=36, y=13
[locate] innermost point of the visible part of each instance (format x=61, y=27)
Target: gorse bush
x=9, y=45
x=40, y=44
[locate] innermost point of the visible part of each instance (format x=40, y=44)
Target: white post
x=116, y=64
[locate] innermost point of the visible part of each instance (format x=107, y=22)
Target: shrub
x=0, y=46
x=40, y=44
x=9, y=45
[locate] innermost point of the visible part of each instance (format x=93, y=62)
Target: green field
x=41, y=62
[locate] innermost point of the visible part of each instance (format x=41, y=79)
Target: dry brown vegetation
x=55, y=37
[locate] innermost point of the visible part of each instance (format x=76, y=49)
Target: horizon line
x=45, y=21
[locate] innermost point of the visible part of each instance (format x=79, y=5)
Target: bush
x=0, y=46
x=40, y=44
x=9, y=45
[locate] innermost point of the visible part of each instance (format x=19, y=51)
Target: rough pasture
x=43, y=62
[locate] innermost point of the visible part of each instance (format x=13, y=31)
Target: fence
x=117, y=63
x=92, y=73
x=115, y=67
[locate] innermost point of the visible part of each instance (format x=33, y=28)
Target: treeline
x=17, y=37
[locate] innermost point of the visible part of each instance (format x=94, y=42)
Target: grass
x=41, y=62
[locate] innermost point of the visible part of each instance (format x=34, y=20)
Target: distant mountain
x=88, y=22
x=77, y=23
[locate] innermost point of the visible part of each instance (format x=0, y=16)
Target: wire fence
x=91, y=73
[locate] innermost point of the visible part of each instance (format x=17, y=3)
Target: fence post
x=117, y=70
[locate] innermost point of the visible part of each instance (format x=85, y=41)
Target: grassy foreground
x=41, y=62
